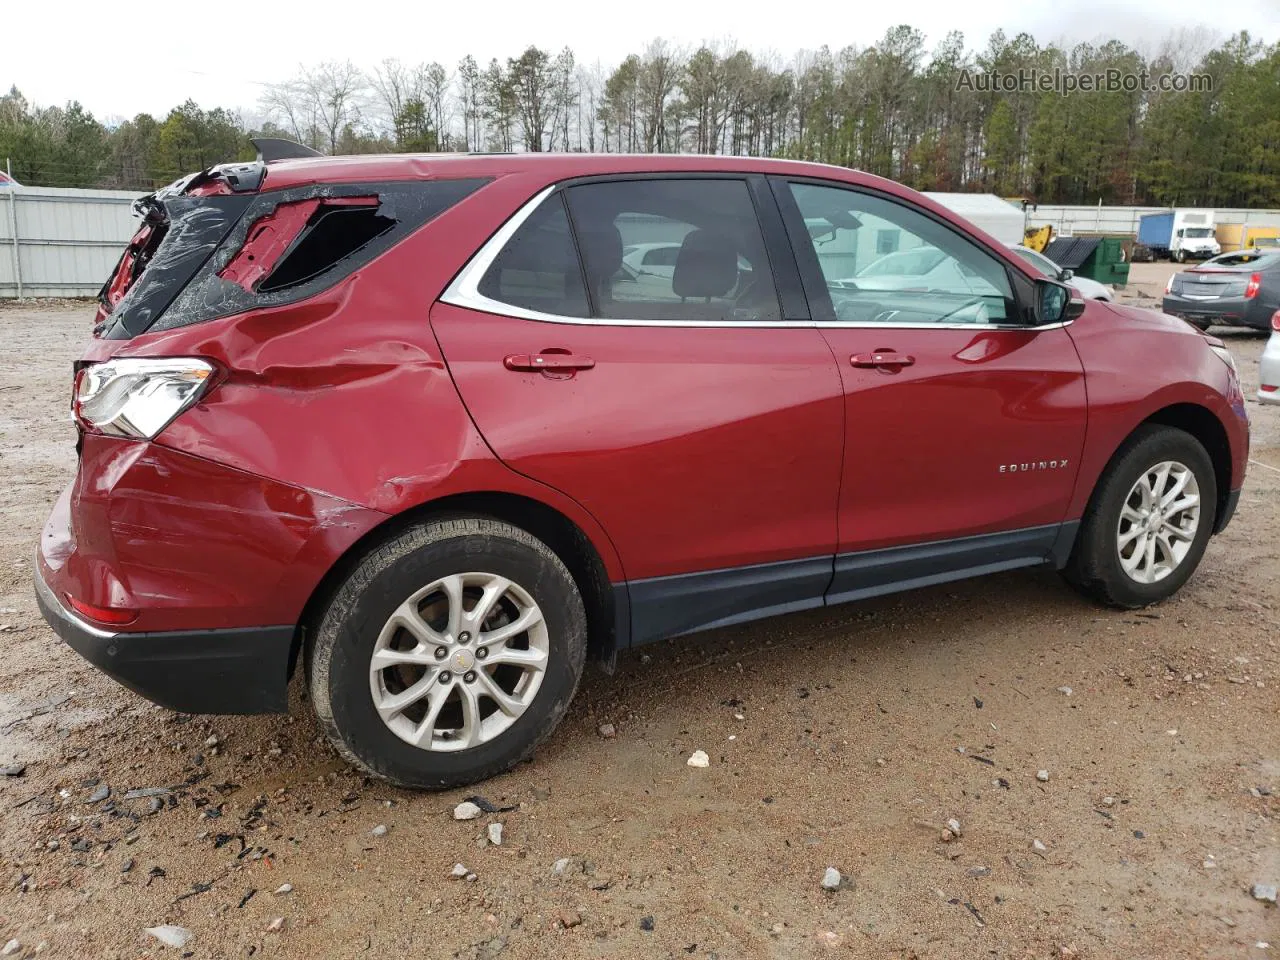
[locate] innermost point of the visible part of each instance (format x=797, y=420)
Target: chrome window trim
x=464, y=291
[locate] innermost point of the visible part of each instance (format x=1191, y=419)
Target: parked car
x=658, y=259
x=1237, y=289
x=1269, y=368
x=1089, y=288
x=921, y=268
x=395, y=422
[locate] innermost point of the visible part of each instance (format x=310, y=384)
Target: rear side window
x=710, y=267
x=538, y=269
x=332, y=235
x=221, y=255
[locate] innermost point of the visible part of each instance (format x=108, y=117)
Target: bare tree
x=469, y=98
x=432, y=83
x=393, y=83
x=320, y=102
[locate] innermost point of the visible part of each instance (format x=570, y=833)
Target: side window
x=661, y=257
x=884, y=262
x=673, y=249
x=538, y=269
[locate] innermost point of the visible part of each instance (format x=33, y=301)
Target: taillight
x=135, y=396
x=1275, y=321
x=1252, y=287
x=116, y=616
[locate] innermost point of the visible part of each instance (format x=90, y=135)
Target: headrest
x=601, y=250
x=707, y=265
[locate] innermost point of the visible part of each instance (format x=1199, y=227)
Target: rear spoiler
x=238, y=177
x=274, y=148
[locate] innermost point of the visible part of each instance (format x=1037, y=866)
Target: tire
x=1096, y=566
x=358, y=620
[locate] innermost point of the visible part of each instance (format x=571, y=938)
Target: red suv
x=439, y=429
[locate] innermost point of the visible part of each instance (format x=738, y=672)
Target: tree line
x=897, y=108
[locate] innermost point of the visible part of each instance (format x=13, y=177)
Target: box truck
x=1179, y=234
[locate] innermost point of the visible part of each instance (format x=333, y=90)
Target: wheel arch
x=607, y=610
x=1207, y=428
x=1203, y=424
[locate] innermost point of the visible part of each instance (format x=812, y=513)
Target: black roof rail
x=275, y=148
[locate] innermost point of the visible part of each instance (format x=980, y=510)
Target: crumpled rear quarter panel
x=191, y=543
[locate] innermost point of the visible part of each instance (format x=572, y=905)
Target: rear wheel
x=1148, y=522
x=449, y=653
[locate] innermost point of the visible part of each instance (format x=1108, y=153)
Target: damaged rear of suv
x=179, y=564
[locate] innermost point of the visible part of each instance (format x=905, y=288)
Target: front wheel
x=448, y=654
x=1148, y=521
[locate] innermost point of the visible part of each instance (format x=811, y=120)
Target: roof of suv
x=282, y=174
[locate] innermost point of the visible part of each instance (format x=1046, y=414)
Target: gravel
x=466, y=811
x=170, y=935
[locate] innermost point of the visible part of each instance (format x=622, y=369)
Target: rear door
x=697, y=416
x=963, y=426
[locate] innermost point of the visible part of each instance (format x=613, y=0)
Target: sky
x=149, y=55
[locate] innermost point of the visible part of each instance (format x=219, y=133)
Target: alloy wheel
x=1158, y=522
x=459, y=661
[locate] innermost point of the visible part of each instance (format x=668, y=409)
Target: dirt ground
x=845, y=737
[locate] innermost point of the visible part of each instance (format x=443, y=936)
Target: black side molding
x=664, y=607
x=888, y=570
x=670, y=606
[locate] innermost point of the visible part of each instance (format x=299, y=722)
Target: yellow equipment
x=1037, y=238
x=1238, y=236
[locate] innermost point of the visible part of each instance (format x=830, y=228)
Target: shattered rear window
x=227, y=254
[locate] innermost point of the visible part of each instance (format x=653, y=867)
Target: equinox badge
x=1033, y=465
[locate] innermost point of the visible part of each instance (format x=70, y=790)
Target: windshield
x=1197, y=232
x=905, y=263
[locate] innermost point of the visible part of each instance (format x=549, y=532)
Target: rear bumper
x=216, y=566
x=1232, y=311
x=244, y=670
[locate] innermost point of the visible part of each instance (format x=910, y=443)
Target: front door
x=696, y=418
x=964, y=426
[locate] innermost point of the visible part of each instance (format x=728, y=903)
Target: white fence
x=1069, y=221
x=67, y=240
